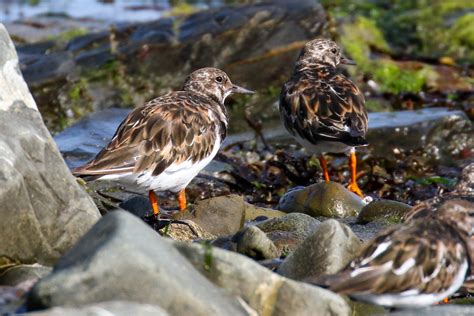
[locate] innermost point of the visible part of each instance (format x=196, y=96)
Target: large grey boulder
x=43, y=210
x=264, y=291
x=121, y=258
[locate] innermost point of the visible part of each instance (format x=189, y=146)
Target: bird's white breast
x=174, y=178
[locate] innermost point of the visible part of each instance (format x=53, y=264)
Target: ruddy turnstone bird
x=164, y=144
x=323, y=109
x=416, y=264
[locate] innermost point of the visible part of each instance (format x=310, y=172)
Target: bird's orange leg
x=322, y=161
x=182, y=200
x=353, y=184
x=154, y=202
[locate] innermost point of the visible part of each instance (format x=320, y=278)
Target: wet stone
x=329, y=199
x=389, y=211
x=222, y=215
x=21, y=273
x=326, y=251
x=287, y=232
x=254, y=243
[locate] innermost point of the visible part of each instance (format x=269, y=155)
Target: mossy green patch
x=363, y=35
x=420, y=28
x=395, y=80
x=461, y=37
x=68, y=35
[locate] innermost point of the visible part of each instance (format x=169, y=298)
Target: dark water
x=108, y=10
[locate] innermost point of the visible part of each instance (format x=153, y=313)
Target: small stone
x=390, y=211
x=285, y=242
x=21, y=273
x=287, y=232
x=301, y=224
x=329, y=199
x=252, y=212
x=220, y=216
x=137, y=205
x=187, y=230
x=326, y=251
x=253, y=242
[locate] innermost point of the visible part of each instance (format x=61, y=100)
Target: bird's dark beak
x=347, y=61
x=237, y=89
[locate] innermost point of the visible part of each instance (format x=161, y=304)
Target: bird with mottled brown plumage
x=323, y=109
x=165, y=143
x=415, y=264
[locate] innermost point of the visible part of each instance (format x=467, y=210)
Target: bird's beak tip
x=347, y=61
x=241, y=90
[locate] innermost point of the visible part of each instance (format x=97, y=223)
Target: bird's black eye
x=334, y=50
x=219, y=79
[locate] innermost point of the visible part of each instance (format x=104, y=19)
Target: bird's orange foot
x=353, y=187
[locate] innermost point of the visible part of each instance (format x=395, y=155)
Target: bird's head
x=213, y=83
x=323, y=51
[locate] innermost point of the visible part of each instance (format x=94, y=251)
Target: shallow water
x=108, y=10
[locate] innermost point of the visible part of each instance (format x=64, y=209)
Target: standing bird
x=323, y=109
x=418, y=263
x=164, y=144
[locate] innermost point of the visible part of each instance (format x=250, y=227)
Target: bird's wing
x=332, y=109
x=167, y=130
x=422, y=257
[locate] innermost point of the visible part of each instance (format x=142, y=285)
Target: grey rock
x=465, y=184
x=365, y=231
x=329, y=199
x=440, y=132
x=21, y=273
x=253, y=212
x=121, y=258
x=187, y=230
x=326, y=251
x=138, y=205
x=253, y=242
x=264, y=291
x=222, y=215
x=289, y=231
x=300, y=224
x=43, y=210
x=385, y=210
x=116, y=308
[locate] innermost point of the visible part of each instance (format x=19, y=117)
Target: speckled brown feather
x=170, y=129
x=318, y=103
x=438, y=243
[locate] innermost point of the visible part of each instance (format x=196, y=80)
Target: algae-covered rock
x=385, y=210
x=329, y=199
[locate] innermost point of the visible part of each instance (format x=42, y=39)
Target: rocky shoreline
x=245, y=253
